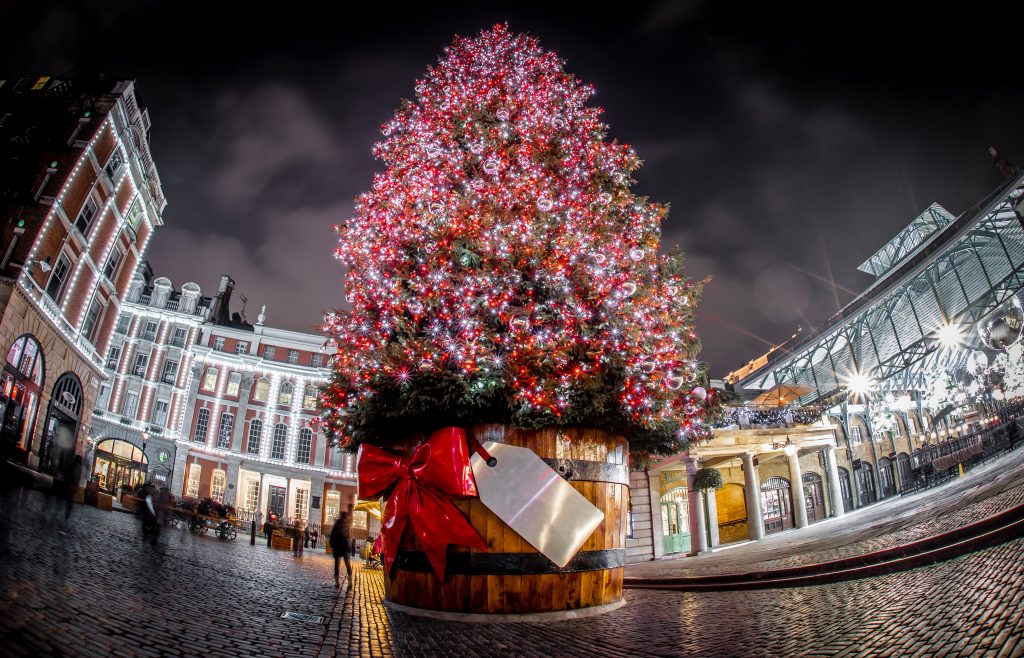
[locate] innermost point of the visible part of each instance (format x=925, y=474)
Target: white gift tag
x=533, y=500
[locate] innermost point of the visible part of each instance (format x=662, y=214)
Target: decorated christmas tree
x=501, y=270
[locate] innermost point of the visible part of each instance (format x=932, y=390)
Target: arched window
x=262, y=390
x=20, y=391
x=195, y=473
x=285, y=394
x=255, y=433
x=310, y=397
x=305, y=444
x=217, y=485
x=280, y=438
x=202, y=424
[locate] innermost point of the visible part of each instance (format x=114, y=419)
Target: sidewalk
x=982, y=492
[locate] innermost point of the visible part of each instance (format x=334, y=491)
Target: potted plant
x=502, y=277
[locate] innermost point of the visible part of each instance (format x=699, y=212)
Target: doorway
x=814, y=497
x=675, y=521
x=275, y=502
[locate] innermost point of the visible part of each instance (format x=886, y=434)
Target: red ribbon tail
x=438, y=523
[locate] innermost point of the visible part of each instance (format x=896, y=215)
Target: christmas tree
x=501, y=270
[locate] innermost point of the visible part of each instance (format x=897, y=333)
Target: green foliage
x=708, y=478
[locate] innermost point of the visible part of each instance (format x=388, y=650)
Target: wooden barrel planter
x=512, y=576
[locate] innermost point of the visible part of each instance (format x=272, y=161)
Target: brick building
x=80, y=198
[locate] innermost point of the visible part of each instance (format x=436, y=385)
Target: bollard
x=252, y=534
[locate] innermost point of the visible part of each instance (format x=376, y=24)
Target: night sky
x=791, y=142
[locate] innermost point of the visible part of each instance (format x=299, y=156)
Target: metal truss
x=960, y=273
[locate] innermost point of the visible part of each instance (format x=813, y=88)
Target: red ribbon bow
x=423, y=486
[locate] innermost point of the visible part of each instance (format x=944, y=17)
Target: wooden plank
x=493, y=603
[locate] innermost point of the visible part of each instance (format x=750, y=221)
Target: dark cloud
x=790, y=140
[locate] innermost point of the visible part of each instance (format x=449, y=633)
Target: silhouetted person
x=71, y=485
x=147, y=510
x=340, y=538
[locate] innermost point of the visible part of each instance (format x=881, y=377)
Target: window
x=217, y=485
x=252, y=495
x=55, y=287
x=293, y=356
x=170, y=372
x=896, y=429
x=149, y=333
x=195, y=473
x=114, y=163
x=92, y=320
x=202, y=423
x=332, y=505
x=210, y=379
x=280, y=437
x=135, y=214
x=85, y=216
x=40, y=83
x=113, y=263
x=269, y=352
x=316, y=360
x=113, y=356
x=234, y=381
x=141, y=361
x=285, y=396
x=310, y=397
x=255, y=432
x=178, y=338
x=305, y=445
x=359, y=519
x=131, y=404
x=103, y=395
x=337, y=459
x=123, y=322
x=262, y=390
x=301, y=503
x=227, y=421
x=160, y=413
x=218, y=344
x=241, y=347
x=855, y=436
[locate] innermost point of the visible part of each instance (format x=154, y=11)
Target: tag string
x=480, y=450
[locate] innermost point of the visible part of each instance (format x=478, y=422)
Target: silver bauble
x=1003, y=328
x=977, y=362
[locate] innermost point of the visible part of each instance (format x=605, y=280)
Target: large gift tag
x=533, y=500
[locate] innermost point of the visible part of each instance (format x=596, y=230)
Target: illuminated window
x=217, y=485
x=255, y=432
x=262, y=390
x=309, y=398
x=234, y=380
x=359, y=519
x=332, y=506
x=202, y=423
x=210, y=379
x=227, y=421
x=285, y=395
x=301, y=503
x=195, y=472
x=305, y=444
x=280, y=438
x=41, y=83
x=252, y=495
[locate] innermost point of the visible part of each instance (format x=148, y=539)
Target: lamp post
x=145, y=440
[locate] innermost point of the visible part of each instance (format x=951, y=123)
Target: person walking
x=313, y=537
x=305, y=537
x=340, y=538
x=268, y=528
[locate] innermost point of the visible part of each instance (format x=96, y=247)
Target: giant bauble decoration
x=1003, y=328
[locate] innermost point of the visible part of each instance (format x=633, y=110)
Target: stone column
x=288, y=498
x=714, y=540
x=698, y=538
x=179, y=480
x=796, y=486
x=835, y=490
x=752, y=493
x=231, y=484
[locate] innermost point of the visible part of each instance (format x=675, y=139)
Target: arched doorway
x=119, y=463
x=776, y=505
x=846, y=488
x=904, y=470
x=732, y=513
x=814, y=497
x=675, y=521
x=19, y=395
x=886, y=477
x=866, y=483
x=60, y=433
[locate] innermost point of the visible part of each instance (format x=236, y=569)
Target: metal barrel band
x=512, y=564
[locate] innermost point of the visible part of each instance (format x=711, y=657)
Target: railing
x=769, y=416
x=172, y=305
x=145, y=300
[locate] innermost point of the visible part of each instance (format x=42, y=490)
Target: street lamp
x=145, y=439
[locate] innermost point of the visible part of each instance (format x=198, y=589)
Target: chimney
x=220, y=313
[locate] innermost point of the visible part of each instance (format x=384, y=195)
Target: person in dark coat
x=340, y=538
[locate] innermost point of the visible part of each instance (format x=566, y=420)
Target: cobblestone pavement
x=102, y=590
x=982, y=492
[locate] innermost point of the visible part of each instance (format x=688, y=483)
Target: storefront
x=119, y=463
x=21, y=383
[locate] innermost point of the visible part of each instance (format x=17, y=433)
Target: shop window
x=217, y=485
x=359, y=519
x=195, y=472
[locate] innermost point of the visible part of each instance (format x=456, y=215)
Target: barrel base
x=494, y=618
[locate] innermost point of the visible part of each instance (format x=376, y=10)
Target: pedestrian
x=314, y=537
x=305, y=537
x=268, y=528
x=296, y=533
x=340, y=537
x=259, y=519
x=147, y=510
x=71, y=485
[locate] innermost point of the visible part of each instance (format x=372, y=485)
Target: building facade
x=213, y=406
x=80, y=198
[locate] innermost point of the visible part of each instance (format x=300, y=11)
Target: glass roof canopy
x=936, y=271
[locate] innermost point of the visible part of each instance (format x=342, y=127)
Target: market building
x=862, y=408
x=214, y=406
x=80, y=198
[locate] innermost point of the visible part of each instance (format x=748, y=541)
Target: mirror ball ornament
x=1003, y=328
x=701, y=393
x=977, y=362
